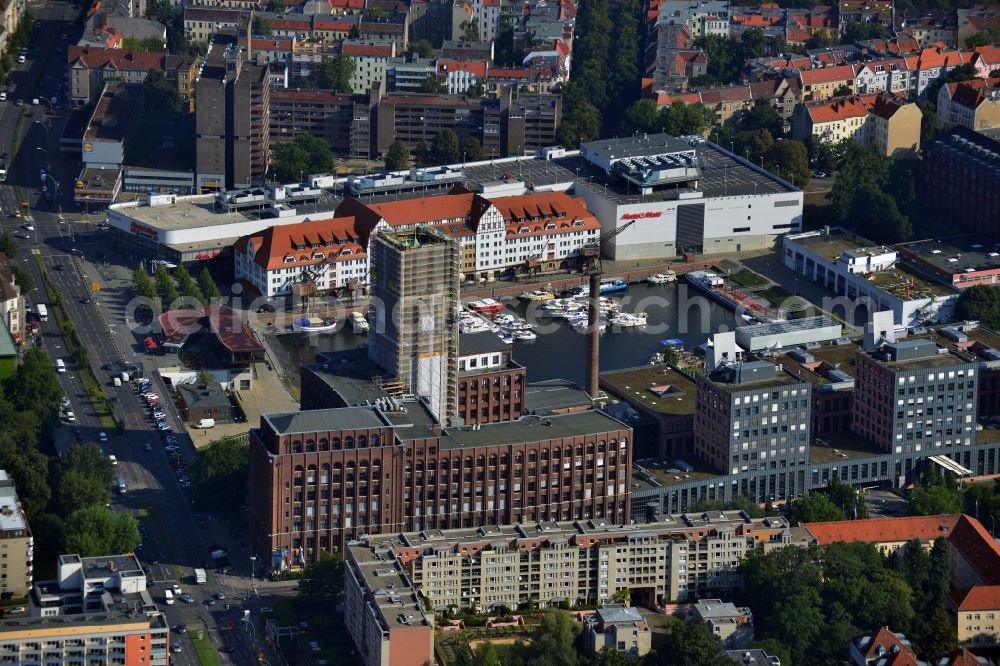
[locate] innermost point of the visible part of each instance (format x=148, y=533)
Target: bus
x=43, y=312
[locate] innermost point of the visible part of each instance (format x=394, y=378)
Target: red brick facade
x=313, y=492
x=492, y=396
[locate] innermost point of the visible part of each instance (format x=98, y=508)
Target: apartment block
x=17, y=545
x=344, y=121
x=680, y=558
x=961, y=183
x=96, y=608
x=384, y=616
x=972, y=104
x=88, y=68
x=232, y=123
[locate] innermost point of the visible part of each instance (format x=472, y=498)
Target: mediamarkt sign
x=642, y=216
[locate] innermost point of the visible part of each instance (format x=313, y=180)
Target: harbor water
x=672, y=310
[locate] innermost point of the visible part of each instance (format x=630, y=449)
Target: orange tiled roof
x=961, y=658
x=930, y=58
x=301, y=241
x=884, y=530
x=476, y=68
x=841, y=108
x=346, y=4
x=561, y=209
x=828, y=74
x=366, y=50
x=424, y=209
x=102, y=58
x=886, y=642
x=978, y=548
x=989, y=54
x=971, y=93
x=268, y=44
x=977, y=598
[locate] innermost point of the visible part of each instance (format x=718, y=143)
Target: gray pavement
x=72, y=254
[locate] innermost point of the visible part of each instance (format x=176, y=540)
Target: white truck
x=168, y=597
x=43, y=312
x=200, y=577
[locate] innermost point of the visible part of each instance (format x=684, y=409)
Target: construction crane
x=591, y=252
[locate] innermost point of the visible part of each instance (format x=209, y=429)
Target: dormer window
x=577, y=223
x=550, y=226
x=524, y=230
x=346, y=251
x=289, y=260
x=318, y=255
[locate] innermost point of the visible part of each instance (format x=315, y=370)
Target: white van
x=205, y=423
x=60, y=365
x=168, y=597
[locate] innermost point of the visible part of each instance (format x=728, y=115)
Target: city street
x=71, y=250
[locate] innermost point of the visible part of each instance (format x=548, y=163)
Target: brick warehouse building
x=403, y=441
x=321, y=478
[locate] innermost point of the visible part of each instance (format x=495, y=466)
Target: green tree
x=336, y=73
x=22, y=279
x=471, y=149
x=431, y=85
x=8, y=245
x=762, y=116
x=980, y=303
x=552, y=643
x=143, y=283
x=775, y=648
x=159, y=93
x=305, y=156
x=624, y=60
x=209, y=290
x=75, y=490
x=642, y=117
x=88, y=459
x=260, y=26
x=188, y=286
x=28, y=467
x=220, y=476
x=398, y=157
x=276, y=6
x=791, y=159
x=470, y=31
x=691, y=644
x=34, y=386
x=743, y=503
x=486, y=655
x=323, y=579
x=847, y=499
x=476, y=90
x=422, y=48
x=97, y=531
x=935, y=494
x=165, y=286
x=444, y=149
x=813, y=508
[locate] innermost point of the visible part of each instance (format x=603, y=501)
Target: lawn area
x=204, y=650
x=747, y=279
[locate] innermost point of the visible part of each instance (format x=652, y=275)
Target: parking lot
x=884, y=503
